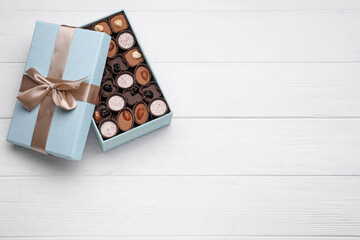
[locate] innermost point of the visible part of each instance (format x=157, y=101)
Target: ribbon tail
x=63, y=99
x=32, y=97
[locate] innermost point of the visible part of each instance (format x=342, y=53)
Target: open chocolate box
x=131, y=102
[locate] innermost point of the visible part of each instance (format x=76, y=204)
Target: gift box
x=59, y=90
x=131, y=102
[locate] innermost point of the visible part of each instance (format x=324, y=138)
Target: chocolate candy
x=149, y=94
x=97, y=116
x=133, y=96
x=129, y=95
x=101, y=112
x=125, y=80
x=151, y=91
x=125, y=120
x=126, y=40
x=102, y=27
x=142, y=74
x=158, y=107
x=118, y=64
x=107, y=73
x=104, y=113
x=134, y=57
x=108, y=128
x=108, y=87
x=141, y=113
x=118, y=23
x=112, y=49
x=115, y=102
x=134, y=90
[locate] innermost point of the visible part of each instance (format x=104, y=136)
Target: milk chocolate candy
x=142, y=74
x=118, y=23
x=141, y=113
x=112, y=49
x=125, y=120
x=102, y=27
x=134, y=57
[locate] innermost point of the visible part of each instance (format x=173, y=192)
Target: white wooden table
x=265, y=141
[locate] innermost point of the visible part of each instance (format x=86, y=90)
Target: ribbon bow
x=60, y=91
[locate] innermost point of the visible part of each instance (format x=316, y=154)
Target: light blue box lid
x=69, y=129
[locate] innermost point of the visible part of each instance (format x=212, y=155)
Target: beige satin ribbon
x=60, y=91
x=52, y=91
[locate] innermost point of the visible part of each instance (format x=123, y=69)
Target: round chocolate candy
x=158, y=107
x=125, y=80
x=126, y=40
x=108, y=128
x=125, y=120
x=141, y=113
x=116, y=102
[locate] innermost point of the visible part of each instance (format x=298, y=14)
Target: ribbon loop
x=60, y=91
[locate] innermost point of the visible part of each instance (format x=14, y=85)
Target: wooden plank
x=250, y=36
x=162, y=206
x=208, y=147
x=185, y=5
x=241, y=90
